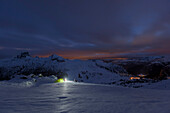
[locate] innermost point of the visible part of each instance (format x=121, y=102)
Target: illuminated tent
x=60, y=80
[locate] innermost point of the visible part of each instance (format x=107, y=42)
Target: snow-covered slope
x=78, y=70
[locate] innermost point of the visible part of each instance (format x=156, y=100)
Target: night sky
x=85, y=28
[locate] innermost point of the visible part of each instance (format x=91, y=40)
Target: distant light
x=134, y=78
x=141, y=75
x=67, y=80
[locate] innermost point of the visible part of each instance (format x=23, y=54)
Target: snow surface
x=163, y=85
x=73, y=97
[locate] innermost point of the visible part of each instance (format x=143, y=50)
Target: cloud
x=1, y=48
x=85, y=28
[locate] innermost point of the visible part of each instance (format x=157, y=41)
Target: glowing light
x=62, y=80
x=141, y=75
x=134, y=78
x=65, y=80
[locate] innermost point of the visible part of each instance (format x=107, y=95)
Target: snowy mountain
x=33, y=69
x=78, y=70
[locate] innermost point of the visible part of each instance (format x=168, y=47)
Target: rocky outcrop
x=23, y=55
x=4, y=74
x=134, y=68
x=111, y=67
x=155, y=69
x=57, y=58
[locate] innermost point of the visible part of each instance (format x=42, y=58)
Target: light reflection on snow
x=82, y=97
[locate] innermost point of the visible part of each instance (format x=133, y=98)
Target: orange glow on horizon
x=66, y=57
x=84, y=57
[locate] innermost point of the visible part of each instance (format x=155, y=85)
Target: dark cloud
x=82, y=28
